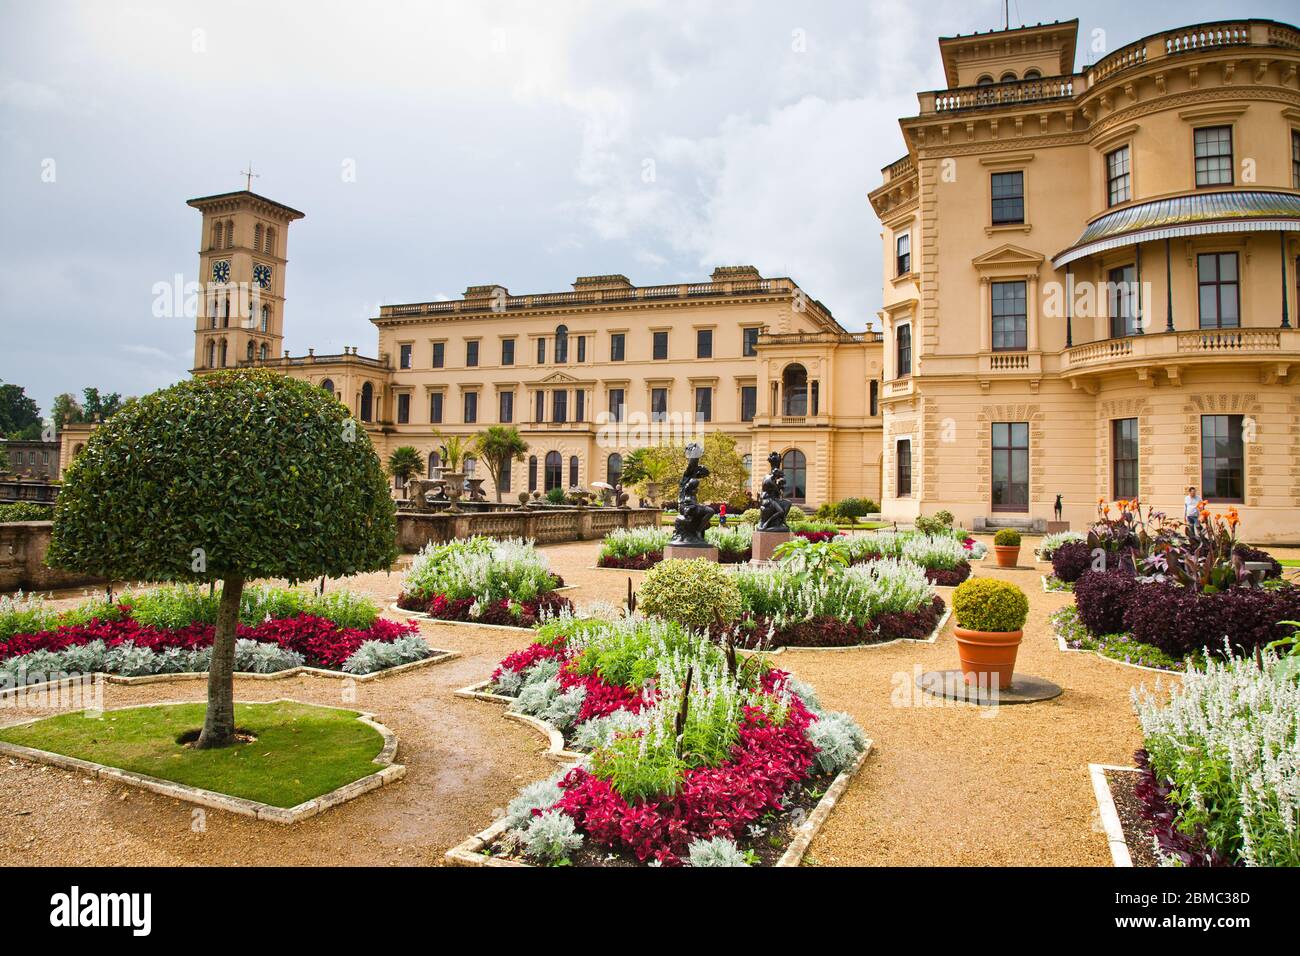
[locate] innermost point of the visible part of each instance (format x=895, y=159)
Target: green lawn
x=1289, y=562
x=301, y=750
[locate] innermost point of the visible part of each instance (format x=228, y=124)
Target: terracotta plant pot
x=1007, y=554
x=988, y=652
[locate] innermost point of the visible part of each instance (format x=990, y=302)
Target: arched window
x=795, y=466
x=230, y=234
x=532, y=472
x=223, y=353
x=1033, y=75
x=216, y=236
x=367, y=401
x=984, y=80
x=328, y=385
x=269, y=245
x=614, y=468
x=212, y=354
x=435, y=464
x=266, y=318
x=225, y=312
x=263, y=352
x=561, y=344
x=248, y=353
x=1008, y=77
x=794, y=390
x=573, y=471
x=257, y=236
x=554, y=474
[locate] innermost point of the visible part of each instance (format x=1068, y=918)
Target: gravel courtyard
x=945, y=785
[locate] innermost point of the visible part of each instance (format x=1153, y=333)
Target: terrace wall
x=543, y=525
x=23, y=545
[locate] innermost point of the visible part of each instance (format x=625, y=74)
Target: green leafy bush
x=692, y=593
x=479, y=568
x=795, y=514
x=985, y=604
x=1007, y=538
x=634, y=542
x=26, y=511
x=751, y=516
x=557, y=496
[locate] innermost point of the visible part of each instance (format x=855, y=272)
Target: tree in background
x=230, y=477
x=404, y=463
x=93, y=408
x=727, y=476
x=499, y=446
x=20, y=416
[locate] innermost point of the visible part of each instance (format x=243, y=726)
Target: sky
x=438, y=145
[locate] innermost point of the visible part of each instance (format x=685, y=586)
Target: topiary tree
x=693, y=593
x=230, y=477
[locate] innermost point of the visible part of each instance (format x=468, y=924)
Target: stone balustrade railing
x=543, y=525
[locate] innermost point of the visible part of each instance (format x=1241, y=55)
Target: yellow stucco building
x=1090, y=279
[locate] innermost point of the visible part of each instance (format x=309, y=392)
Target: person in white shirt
x=1190, y=511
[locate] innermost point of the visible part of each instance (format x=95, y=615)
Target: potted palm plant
x=990, y=625
x=1006, y=547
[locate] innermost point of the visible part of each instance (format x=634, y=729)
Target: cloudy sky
x=521, y=143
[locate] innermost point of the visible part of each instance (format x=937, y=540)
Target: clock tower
x=241, y=272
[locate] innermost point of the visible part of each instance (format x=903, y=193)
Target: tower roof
x=245, y=197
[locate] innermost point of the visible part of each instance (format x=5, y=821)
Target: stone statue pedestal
x=1056, y=527
x=682, y=552
x=765, y=542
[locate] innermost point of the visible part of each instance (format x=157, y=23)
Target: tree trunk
x=219, y=724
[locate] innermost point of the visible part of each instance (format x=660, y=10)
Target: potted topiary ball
x=1006, y=547
x=990, y=624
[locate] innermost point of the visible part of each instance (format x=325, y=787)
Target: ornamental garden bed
x=292, y=760
x=1128, y=835
x=477, y=580
x=639, y=549
x=691, y=754
x=168, y=631
x=1053, y=585
x=1121, y=647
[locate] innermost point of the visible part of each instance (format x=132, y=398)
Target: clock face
x=262, y=275
x=221, y=271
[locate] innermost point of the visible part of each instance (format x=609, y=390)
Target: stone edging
x=934, y=636
x=468, y=853
x=389, y=773
x=1119, y=853
x=438, y=656
x=421, y=616
x=1047, y=590
x=1063, y=646
x=555, y=749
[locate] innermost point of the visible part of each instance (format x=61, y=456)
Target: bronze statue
x=692, y=517
x=773, y=506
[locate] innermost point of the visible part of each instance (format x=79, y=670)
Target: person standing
x=1191, y=508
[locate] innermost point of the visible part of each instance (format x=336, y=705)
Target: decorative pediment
x=558, y=378
x=1008, y=260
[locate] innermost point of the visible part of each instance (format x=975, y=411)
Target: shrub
x=751, y=516
x=795, y=514
x=624, y=543
x=1070, y=559
x=1047, y=547
x=479, y=570
x=1007, y=538
x=24, y=614
x=255, y=657
x=1101, y=597
x=718, y=851
x=734, y=539
x=550, y=837
x=838, y=740
x=693, y=593
x=938, y=524
x=986, y=604
x=1181, y=621
x=854, y=508
x=26, y=511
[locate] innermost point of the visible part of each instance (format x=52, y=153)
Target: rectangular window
x=471, y=354
x=539, y=407
x=507, y=351
x=582, y=348
x=903, y=351
x=704, y=404
x=1212, y=148
x=1010, y=466
x=439, y=354
x=471, y=407
x=617, y=403
x=579, y=405
x=1223, y=472
x=503, y=482
x=749, y=341
x=748, y=402
x=507, y=408
x=660, y=346
x=1118, y=177
x=404, y=351
x=1295, y=159
x=1124, y=457
x=703, y=343
x=1122, y=289
x=874, y=392
x=541, y=351
x=1010, y=328
x=1008, y=198
x=658, y=404
x=1218, y=290
x=903, y=467
x=435, y=408
x=559, y=405
x=404, y=408
x=617, y=342
x=903, y=254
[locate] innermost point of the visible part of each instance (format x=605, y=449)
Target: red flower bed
x=945, y=577
x=817, y=536
x=638, y=562
x=498, y=612
x=319, y=639
x=827, y=631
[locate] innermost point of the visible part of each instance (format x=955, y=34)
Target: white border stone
x=1119, y=852
x=555, y=749
x=389, y=772
x=1064, y=646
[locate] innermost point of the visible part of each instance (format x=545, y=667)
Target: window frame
x=405, y=351
x=438, y=355
x=1218, y=284
x=1121, y=301
x=658, y=414
x=903, y=257
x=704, y=403
x=438, y=399
x=748, y=410
x=1010, y=449
x=507, y=352
x=506, y=406
x=656, y=337
x=902, y=341
x=471, y=353
x=1005, y=219
x=1240, y=459
x=1114, y=177
x=749, y=349
x=1197, y=131
x=1020, y=332
x=1125, y=469
x=617, y=410
x=900, y=473
x=704, y=343
x=403, y=408
x=469, y=407
x=618, y=339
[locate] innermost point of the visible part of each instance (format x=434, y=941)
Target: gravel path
x=945, y=785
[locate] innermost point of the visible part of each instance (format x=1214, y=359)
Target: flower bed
x=946, y=559
x=170, y=630
x=1223, y=754
x=881, y=600
x=483, y=581
x=1120, y=646
x=639, y=549
x=694, y=755
x=1048, y=546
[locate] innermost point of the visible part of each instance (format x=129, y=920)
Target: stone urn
x=652, y=491
x=455, y=487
